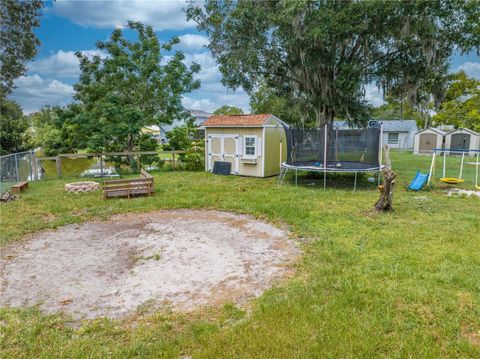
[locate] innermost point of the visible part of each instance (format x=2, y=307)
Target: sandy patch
x=182, y=259
x=462, y=192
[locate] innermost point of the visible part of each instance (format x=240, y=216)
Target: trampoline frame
x=284, y=167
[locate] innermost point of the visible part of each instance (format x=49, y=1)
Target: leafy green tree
x=180, y=137
x=266, y=100
x=461, y=106
x=14, y=128
x=18, y=42
x=55, y=130
x=185, y=138
x=228, y=110
x=132, y=87
x=394, y=109
x=322, y=53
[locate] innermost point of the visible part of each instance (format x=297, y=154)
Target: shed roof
x=437, y=130
x=461, y=130
x=236, y=120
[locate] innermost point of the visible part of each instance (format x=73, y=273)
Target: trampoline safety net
x=347, y=149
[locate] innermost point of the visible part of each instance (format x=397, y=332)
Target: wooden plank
x=129, y=187
x=19, y=187
x=114, y=188
x=126, y=180
x=124, y=193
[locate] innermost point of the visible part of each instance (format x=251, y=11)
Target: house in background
x=160, y=133
x=396, y=133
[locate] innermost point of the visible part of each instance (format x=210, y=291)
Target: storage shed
x=462, y=139
x=255, y=145
x=427, y=140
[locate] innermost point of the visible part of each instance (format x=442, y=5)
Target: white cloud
x=61, y=64
x=203, y=104
x=212, y=94
x=161, y=14
x=472, y=69
x=193, y=41
x=209, y=69
x=374, y=95
x=33, y=92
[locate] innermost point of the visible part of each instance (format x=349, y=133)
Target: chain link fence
x=26, y=166
x=17, y=167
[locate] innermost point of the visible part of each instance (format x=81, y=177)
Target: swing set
x=455, y=180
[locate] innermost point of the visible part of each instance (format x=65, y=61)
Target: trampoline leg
x=296, y=176
x=282, y=175
x=355, y=183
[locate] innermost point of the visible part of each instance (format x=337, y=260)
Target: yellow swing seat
x=451, y=180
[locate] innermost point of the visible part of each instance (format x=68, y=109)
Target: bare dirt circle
x=180, y=259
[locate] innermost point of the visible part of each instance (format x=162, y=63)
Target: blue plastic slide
x=418, y=182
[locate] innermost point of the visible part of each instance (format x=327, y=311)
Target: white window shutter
x=259, y=145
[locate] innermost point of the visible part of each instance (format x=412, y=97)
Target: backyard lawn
x=405, y=284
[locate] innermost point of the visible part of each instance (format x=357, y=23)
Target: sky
x=68, y=26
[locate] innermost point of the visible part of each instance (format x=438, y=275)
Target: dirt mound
x=182, y=259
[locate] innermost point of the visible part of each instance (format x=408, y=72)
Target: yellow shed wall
x=273, y=137
x=244, y=168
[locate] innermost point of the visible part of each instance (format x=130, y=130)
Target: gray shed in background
x=462, y=139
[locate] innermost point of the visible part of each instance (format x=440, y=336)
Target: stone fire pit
x=80, y=187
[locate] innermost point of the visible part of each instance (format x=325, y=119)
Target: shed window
x=393, y=138
x=250, y=146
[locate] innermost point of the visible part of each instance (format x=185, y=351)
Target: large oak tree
x=321, y=54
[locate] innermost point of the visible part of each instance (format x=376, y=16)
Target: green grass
x=404, y=284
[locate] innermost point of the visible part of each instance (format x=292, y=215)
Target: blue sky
x=68, y=26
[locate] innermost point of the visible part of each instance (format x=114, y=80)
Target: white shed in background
x=427, y=140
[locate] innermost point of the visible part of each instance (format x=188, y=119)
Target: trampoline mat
x=336, y=166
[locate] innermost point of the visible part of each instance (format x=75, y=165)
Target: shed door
x=460, y=141
x=223, y=148
x=428, y=142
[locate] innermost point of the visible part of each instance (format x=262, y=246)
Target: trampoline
x=341, y=150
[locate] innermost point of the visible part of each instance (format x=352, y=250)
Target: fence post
x=30, y=168
x=101, y=165
x=173, y=158
x=58, y=162
x=16, y=168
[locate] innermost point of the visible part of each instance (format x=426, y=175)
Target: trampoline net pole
x=325, y=158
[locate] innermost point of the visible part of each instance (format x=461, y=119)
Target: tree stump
x=385, y=202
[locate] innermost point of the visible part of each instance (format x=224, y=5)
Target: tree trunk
x=325, y=116
x=385, y=202
x=131, y=159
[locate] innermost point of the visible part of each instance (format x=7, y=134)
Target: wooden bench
x=129, y=187
x=19, y=187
